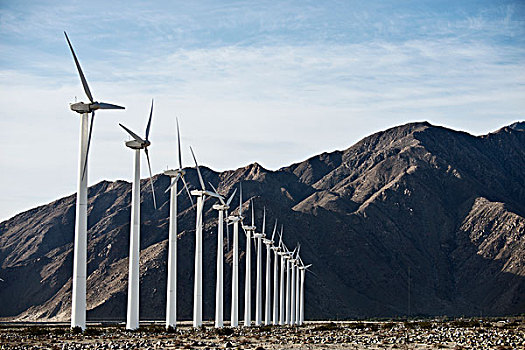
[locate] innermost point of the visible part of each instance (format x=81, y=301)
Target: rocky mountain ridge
x=417, y=219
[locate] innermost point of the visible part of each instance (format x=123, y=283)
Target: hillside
x=417, y=209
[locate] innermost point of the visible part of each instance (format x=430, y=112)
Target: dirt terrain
x=457, y=334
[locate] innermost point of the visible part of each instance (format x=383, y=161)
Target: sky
x=273, y=82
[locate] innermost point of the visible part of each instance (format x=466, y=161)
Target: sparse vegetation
x=327, y=327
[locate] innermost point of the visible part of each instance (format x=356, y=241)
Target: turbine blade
x=253, y=216
x=82, y=77
x=298, y=249
x=88, y=143
x=198, y=171
x=102, y=105
x=240, y=199
x=281, y=236
x=151, y=179
x=135, y=136
x=217, y=193
x=231, y=197
x=264, y=221
x=149, y=121
x=178, y=142
x=173, y=183
x=187, y=190
x=227, y=234
x=274, y=230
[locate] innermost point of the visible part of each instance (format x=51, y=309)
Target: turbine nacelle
x=135, y=144
x=174, y=172
x=220, y=207
x=81, y=107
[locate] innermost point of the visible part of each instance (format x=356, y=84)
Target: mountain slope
x=416, y=209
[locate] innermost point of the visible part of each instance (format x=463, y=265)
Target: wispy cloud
x=250, y=81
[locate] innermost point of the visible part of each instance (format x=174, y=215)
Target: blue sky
x=272, y=82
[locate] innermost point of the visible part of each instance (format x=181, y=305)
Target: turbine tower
x=268, y=243
x=288, y=256
x=137, y=144
x=258, y=281
x=234, y=317
x=249, y=230
x=303, y=269
x=283, y=254
x=78, y=306
x=171, y=298
x=292, y=290
x=297, y=284
x=197, y=288
x=219, y=288
x=276, y=249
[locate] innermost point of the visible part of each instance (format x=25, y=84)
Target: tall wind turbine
x=283, y=254
x=303, y=269
x=234, y=317
x=276, y=249
x=78, y=306
x=292, y=289
x=288, y=256
x=297, y=284
x=197, y=289
x=219, y=288
x=171, y=298
x=250, y=230
x=258, y=281
x=268, y=243
x=136, y=144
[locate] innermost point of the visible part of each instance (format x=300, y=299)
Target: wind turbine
x=292, y=288
x=288, y=257
x=197, y=290
x=276, y=250
x=234, y=317
x=137, y=144
x=258, y=281
x=249, y=230
x=297, y=285
x=283, y=254
x=303, y=269
x=78, y=306
x=219, y=288
x=268, y=243
x=171, y=299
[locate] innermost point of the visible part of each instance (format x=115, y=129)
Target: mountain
x=417, y=219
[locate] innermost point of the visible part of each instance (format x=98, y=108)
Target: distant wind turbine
x=219, y=288
x=78, y=305
x=303, y=270
x=171, y=298
x=268, y=243
x=258, y=281
x=197, y=290
x=137, y=144
x=233, y=219
x=276, y=250
x=249, y=230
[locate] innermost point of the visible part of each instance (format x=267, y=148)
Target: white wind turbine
x=171, y=298
x=303, y=269
x=78, y=306
x=197, y=290
x=234, y=317
x=292, y=262
x=258, y=281
x=132, y=321
x=268, y=243
x=276, y=250
x=288, y=257
x=219, y=288
x=283, y=254
x=297, y=284
x=250, y=231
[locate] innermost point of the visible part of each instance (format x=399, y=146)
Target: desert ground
x=455, y=334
